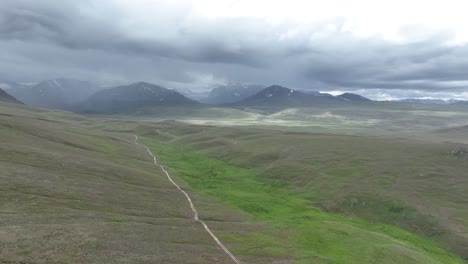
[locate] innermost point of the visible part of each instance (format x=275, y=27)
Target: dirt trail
x=194, y=210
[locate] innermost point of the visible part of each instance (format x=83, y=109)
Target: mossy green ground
x=296, y=229
x=413, y=184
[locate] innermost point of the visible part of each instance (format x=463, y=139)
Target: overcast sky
x=383, y=49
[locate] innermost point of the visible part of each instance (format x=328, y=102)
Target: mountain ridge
x=133, y=97
x=280, y=96
x=6, y=97
x=59, y=93
x=232, y=93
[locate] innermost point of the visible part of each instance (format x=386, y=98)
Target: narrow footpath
x=194, y=210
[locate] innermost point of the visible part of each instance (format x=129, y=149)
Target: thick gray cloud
x=90, y=40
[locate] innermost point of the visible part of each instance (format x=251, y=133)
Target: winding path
x=194, y=210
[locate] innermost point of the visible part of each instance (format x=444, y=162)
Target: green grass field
x=296, y=228
x=416, y=185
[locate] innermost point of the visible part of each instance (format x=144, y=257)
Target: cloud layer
x=186, y=45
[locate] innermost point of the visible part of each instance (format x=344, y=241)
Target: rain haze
x=381, y=49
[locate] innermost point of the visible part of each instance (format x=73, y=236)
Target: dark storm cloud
x=22, y=20
x=63, y=24
x=425, y=65
x=82, y=39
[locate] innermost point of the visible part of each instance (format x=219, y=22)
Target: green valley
x=77, y=189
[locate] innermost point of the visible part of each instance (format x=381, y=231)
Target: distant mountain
x=279, y=96
x=354, y=97
x=231, y=93
x=430, y=101
x=5, y=97
x=133, y=97
x=197, y=96
x=8, y=85
x=57, y=93
x=314, y=93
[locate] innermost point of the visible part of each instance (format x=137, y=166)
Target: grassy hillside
x=70, y=194
x=452, y=134
x=77, y=190
x=416, y=185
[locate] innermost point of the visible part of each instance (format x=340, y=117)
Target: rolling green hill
x=418, y=186
x=70, y=194
x=77, y=189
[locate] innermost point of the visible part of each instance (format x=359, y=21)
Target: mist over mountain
x=317, y=93
x=5, y=97
x=70, y=94
x=354, y=97
x=194, y=95
x=231, y=93
x=8, y=85
x=133, y=97
x=78, y=95
x=56, y=93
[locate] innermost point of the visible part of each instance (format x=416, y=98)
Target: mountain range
x=279, y=96
x=232, y=93
x=57, y=93
x=83, y=96
x=131, y=98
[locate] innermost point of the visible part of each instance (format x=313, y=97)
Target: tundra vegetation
x=76, y=189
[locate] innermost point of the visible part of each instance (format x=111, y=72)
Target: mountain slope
x=232, y=93
x=5, y=97
x=71, y=194
x=279, y=96
x=354, y=97
x=198, y=96
x=55, y=94
x=133, y=97
x=294, y=180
